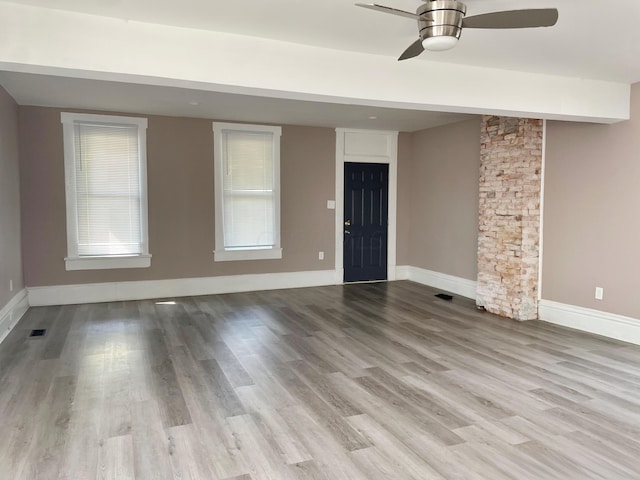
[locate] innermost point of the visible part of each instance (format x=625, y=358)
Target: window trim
x=74, y=261
x=220, y=253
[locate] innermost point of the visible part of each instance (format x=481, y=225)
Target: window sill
x=233, y=255
x=107, y=262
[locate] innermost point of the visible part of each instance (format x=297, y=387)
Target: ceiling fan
x=440, y=22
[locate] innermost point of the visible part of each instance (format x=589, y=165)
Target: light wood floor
x=377, y=381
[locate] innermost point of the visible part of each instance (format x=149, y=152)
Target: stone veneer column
x=509, y=237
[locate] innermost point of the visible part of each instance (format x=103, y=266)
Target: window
x=247, y=193
x=106, y=188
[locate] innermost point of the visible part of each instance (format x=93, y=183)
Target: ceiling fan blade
x=414, y=50
x=382, y=8
x=540, y=17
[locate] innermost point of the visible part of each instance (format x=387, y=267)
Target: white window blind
x=107, y=189
x=247, y=168
x=105, y=169
x=248, y=190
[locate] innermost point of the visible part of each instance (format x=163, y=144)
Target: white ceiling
x=592, y=40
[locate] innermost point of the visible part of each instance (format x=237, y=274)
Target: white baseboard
x=402, y=272
x=606, y=324
x=12, y=312
x=183, y=287
x=442, y=281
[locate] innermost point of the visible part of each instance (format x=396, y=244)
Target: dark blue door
x=366, y=204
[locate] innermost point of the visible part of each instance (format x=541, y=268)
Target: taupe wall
x=181, y=210
x=443, y=199
x=592, y=214
x=10, y=250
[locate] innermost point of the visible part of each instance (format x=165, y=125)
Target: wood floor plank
x=233, y=369
x=189, y=454
x=320, y=384
x=116, y=459
x=57, y=334
x=84, y=447
x=438, y=412
x=513, y=462
x=117, y=401
x=311, y=355
x=151, y=446
x=322, y=412
x=271, y=386
x=164, y=382
x=220, y=386
x=50, y=435
x=413, y=414
x=266, y=417
x=307, y=470
x=169, y=396
x=389, y=456
x=20, y=419
x=268, y=339
x=207, y=416
x=330, y=456
x=261, y=459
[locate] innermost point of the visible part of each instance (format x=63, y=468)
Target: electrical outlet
x=11, y=285
x=599, y=293
x=320, y=255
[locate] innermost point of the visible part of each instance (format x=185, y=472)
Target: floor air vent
x=444, y=296
x=38, y=333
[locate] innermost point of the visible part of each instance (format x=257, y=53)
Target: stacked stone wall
x=509, y=211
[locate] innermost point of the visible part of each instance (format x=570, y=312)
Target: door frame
x=352, y=146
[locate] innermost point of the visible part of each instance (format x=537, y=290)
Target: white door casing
x=366, y=146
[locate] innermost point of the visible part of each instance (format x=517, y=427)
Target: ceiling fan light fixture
x=439, y=43
x=440, y=22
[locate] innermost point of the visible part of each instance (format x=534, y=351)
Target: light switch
x=331, y=204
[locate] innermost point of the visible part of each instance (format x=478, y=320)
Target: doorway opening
x=375, y=148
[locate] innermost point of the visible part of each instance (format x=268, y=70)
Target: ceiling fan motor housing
x=441, y=18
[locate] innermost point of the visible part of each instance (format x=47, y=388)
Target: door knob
x=347, y=223
x=347, y=232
